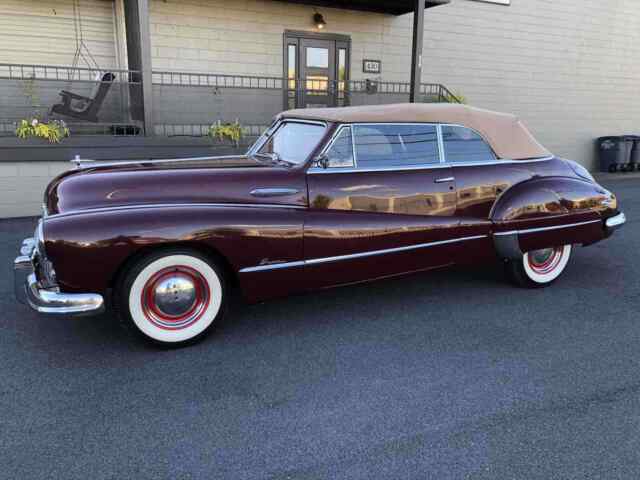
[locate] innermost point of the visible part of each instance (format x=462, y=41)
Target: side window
x=464, y=145
x=395, y=145
x=340, y=154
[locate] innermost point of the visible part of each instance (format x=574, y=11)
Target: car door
x=480, y=179
x=385, y=205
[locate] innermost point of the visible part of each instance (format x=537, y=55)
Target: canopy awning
x=391, y=7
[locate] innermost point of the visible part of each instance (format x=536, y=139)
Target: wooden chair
x=85, y=108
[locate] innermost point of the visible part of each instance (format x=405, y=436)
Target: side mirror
x=321, y=161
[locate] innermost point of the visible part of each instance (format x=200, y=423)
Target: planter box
x=102, y=147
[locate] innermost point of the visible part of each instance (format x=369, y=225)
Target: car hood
x=210, y=180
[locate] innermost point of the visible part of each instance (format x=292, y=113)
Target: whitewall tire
x=540, y=268
x=172, y=297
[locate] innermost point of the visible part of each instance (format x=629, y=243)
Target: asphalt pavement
x=443, y=375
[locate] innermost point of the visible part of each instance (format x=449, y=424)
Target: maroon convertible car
x=325, y=197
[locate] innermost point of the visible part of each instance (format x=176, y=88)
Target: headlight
x=581, y=171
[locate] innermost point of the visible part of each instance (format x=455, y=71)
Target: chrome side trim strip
x=176, y=205
x=274, y=266
x=544, y=229
x=87, y=163
x=316, y=261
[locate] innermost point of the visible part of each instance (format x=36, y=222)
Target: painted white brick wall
x=569, y=68
x=42, y=31
x=22, y=185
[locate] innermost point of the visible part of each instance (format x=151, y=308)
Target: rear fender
x=547, y=212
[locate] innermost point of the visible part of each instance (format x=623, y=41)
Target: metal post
x=139, y=59
x=416, y=53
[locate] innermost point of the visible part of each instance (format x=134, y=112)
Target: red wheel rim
x=546, y=260
x=175, y=275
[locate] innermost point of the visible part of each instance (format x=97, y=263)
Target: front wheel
x=172, y=297
x=539, y=268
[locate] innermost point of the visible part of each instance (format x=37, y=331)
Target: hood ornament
x=78, y=162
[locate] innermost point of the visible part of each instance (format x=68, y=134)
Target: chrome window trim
x=443, y=163
x=334, y=137
x=257, y=145
x=355, y=168
x=176, y=205
x=433, y=166
x=322, y=171
x=495, y=157
x=353, y=147
x=545, y=229
x=443, y=159
x=317, y=261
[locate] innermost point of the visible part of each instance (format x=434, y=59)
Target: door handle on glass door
x=444, y=180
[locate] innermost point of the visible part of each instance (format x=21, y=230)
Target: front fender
x=547, y=212
x=87, y=249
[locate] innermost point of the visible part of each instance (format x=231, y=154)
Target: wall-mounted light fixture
x=318, y=21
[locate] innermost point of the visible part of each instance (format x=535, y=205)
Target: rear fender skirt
x=548, y=212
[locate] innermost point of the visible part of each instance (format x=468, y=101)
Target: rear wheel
x=172, y=297
x=539, y=268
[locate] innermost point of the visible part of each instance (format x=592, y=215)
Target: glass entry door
x=316, y=67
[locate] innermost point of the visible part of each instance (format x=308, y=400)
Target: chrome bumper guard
x=48, y=300
x=615, y=222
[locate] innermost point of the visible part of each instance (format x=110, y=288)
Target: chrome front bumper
x=48, y=300
x=614, y=223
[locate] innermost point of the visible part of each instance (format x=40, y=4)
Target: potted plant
x=53, y=130
x=226, y=132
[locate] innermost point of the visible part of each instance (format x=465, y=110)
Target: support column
x=139, y=59
x=416, y=52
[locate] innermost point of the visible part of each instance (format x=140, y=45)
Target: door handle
x=273, y=192
x=444, y=180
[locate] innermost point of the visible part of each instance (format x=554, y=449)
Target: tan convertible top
x=506, y=134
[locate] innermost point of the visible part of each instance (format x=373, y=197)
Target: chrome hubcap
x=546, y=260
x=175, y=295
x=540, y=257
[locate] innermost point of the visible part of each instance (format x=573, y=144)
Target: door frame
x=294, y=37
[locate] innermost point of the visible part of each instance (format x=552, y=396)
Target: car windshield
x=292, y=142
